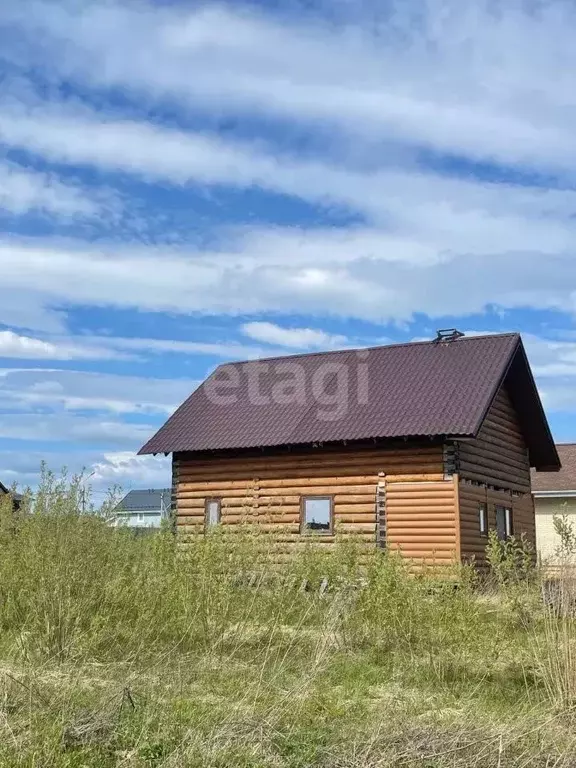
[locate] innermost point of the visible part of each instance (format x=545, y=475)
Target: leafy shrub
x=511, y=560
x=564, y=528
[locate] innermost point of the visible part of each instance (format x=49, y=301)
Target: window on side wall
x=213, y=512
x=483, y=519
x=317, y=515
x=508, y=522
x=504, y=523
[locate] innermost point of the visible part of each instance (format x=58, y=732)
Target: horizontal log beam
x=328, y=453
x=310, y=471
x=419, y=514
x=300, y=479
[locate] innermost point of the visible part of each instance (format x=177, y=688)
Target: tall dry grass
x=119, y=649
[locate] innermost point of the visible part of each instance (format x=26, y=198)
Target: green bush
x=511, y=560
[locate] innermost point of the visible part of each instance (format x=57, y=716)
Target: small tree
x=566, y=550
x=511, y=560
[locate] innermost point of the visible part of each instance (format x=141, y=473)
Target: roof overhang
x=554, y=494
x=525, y=398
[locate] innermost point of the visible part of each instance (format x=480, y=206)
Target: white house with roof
x=143, y=509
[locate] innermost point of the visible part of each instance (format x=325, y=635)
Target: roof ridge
x=148, y=490
x=367, y=349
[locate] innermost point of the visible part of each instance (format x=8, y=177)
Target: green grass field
x=119, y=650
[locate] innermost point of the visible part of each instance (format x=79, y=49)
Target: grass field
x=118, y=650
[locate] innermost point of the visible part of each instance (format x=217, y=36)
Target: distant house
x=555, y=496
x=16, y=497
x=420, y=448
x=143, y=509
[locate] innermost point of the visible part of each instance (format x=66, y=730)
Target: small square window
x=317, y=514
x=140, y=517
x=212, y=512
x=483, y=519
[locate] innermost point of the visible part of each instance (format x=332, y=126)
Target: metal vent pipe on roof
x=448, y=334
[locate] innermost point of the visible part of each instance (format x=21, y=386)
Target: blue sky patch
x=182, y=186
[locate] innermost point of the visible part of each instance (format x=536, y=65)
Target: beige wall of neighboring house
x=547, y=539
x=554, y=495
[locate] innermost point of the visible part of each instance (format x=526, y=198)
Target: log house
x=421, y=448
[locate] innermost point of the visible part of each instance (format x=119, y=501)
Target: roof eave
x=351, y=442
x=518, y=356
x=549, y=466
x=554, y=494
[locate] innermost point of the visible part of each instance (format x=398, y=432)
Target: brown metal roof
x=423, y=389
x=565, y=479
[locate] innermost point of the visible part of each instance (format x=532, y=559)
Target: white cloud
x=423, y=230
x=84, y=347
x=553, y=362
x=13, y=345
x=454, y=77
x=18, y=346
x=129, y=471
x=296, y=338
x=102, y=470
x=78, y=429
x=550, y=358
x=346, y=279
x=442, y=212
x=22, y=191
x=73, y=391
x=78, y=137
x=25, y=308
x=228, y=350
x=425, y=233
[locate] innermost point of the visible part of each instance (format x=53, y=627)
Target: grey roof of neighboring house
x=16, y=497
x=565, y=480
x=142, y=501
x=421, y=389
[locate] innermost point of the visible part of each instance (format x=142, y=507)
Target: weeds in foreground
x=124, y=650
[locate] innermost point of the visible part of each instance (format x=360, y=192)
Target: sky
x=183, y=184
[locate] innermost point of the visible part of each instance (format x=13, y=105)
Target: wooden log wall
x=524, y=516
x=421, y=520
x=498, y=456
x=494, y=469
x=267, y=489
x=473, y=543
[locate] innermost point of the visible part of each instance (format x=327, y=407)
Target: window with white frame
x=317, y=514
x=504, y=523
x=483, y=518
x=508, y=522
